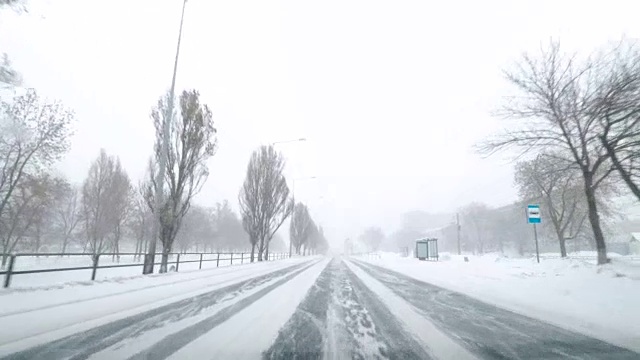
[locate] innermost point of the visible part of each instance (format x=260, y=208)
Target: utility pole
x=458, y=230
x=162, y=161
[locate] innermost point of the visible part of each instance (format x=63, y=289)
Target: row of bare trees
x=582, y=115
x=265, y=204
x=305, y=235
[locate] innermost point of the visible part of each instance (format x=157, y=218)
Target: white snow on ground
x=439, y=344
x=248, y=333
x=36, y=317
x=576, y=294
x=132, y=346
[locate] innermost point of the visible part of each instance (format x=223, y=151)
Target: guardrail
x=95, y=259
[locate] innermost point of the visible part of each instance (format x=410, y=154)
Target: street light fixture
x=288, y=141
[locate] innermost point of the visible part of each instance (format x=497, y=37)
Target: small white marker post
x=533, y=217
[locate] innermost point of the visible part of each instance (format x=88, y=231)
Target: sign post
x=533, y=217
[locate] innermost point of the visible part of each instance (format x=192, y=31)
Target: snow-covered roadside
x=17, y=300
x=573, y=294
x=68, y=315
x=251, y=331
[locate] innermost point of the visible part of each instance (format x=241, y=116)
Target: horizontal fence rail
x=172, y=265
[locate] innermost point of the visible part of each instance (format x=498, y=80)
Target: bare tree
x=9, y=2
x=97, y=205
x=197, y=228
x=119, y=204
x=566, y=103
x=372, y=237
x=68, y=214
x=192, y=141
x=618, y=109
x=264, y=198
x=321, y=243
x=140, y=219
x=33, y=134
x=228, y=229
x=300, y=227
x=43, y=229
x=559, y=187
x=317, y=242
x=32, y=196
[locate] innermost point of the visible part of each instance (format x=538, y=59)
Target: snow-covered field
x=84, y=276
x=603, y=302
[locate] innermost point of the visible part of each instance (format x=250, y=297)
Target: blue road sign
x=533, y=214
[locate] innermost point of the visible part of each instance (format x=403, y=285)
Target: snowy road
x=315, y=308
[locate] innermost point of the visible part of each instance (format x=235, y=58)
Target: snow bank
x=576, y=294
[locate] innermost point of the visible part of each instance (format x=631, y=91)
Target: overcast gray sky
x=391, y=95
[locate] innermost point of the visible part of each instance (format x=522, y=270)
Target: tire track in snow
x=167, y=346
x=83, y=345
x=491, y=332
x=341, y=318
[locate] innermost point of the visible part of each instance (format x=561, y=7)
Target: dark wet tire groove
x=489, y=331
x=302, y=337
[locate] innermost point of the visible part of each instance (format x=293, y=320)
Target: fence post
x=96, y=258
x=231, y=258
x=7, y=276
x=241, y=258
x=200, y=268
x=177, y=262
x=218, y=261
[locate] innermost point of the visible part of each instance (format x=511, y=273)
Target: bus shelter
x=427, y=249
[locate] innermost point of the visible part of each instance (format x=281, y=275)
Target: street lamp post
x=162, y=159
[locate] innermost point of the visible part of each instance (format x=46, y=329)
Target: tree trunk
x=165, y=260
x=260, y=249
x=626, y=176
x=5, y=256
x=562, y=242
x=594, y=219
x=38, y=238
x=266, y=252
x=253, y=251
x=65, y=242
x=563, y=248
